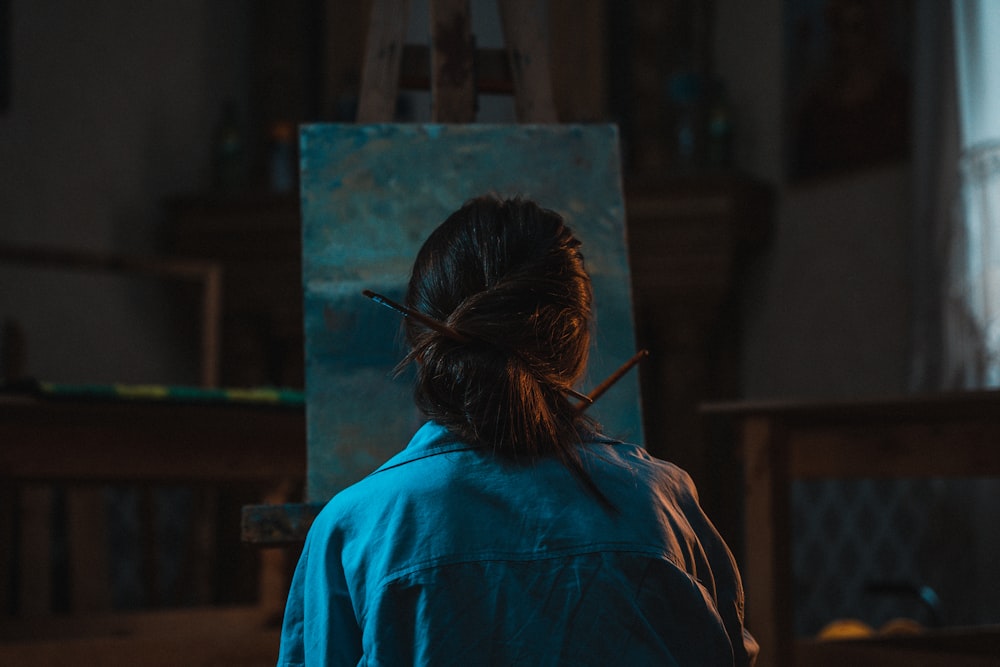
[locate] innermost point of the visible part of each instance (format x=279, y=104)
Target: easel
x=455, y=68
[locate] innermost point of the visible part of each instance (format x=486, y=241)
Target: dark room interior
x=791, y=173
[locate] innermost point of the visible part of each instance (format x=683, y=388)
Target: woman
x=510, y=531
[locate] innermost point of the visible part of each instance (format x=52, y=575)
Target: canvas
x=370, y=195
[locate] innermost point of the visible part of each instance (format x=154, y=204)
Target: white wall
x=112, y=108
x=826, y=305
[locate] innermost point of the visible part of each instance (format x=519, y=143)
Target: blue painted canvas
x=371, y=194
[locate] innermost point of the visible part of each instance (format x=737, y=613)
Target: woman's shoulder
x=634, y=462
x=427, y=462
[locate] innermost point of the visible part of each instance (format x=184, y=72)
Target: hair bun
x=509, y=278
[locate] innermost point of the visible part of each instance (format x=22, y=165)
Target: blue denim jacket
x=447, y=556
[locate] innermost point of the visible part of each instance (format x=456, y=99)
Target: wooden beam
x=453, y=85
x=525, y=27
x=381, y=64
x=99, y=441
x=579, y=59
x=492, y=70
x=768, y=550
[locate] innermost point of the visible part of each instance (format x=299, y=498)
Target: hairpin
x=610, y=381
x=428, y=322
x=586, y=400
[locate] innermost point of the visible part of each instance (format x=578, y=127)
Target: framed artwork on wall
x=848, y=85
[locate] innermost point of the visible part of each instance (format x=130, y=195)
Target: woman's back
x=508, y=532
x=451, y=557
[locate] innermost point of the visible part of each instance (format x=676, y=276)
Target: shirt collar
x=432, y=439
x=429, y=440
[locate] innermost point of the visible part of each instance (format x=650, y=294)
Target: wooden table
x=97, y=440
x=80, y=443
x=946, y=435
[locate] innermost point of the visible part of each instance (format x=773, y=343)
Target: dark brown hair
x=509, y=277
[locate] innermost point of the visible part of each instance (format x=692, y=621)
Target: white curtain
x=971, y=323
x=956, y=262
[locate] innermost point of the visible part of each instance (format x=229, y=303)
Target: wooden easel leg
x=453, y=86
x=274, y=564
x=525, y=27
x=453, y=62
x=383, y=56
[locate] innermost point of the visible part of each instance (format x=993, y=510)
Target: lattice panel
x=850, y=534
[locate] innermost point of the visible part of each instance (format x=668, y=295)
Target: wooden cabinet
x=689, y=241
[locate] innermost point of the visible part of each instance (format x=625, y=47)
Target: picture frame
x=848, y=85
